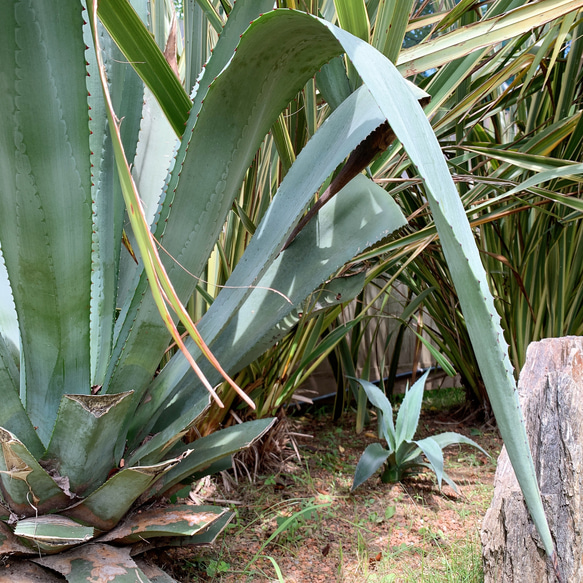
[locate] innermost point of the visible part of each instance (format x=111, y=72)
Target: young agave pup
x=404, y=454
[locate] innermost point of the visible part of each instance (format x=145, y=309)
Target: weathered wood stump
x=551, y=394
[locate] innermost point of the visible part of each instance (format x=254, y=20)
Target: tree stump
x=551, y=394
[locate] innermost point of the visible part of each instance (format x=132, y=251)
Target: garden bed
x=302, y=524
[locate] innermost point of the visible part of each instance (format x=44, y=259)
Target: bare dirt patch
x=302, y=524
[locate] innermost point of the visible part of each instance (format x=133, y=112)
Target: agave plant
x=405, y=453
x=91, y=428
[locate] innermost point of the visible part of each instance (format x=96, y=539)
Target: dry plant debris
x=300, y=524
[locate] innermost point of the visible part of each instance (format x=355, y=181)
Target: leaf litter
x=299, y=518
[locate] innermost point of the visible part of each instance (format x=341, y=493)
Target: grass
x=303, y=524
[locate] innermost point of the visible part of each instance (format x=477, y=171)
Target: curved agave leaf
x=82, y=446
x=239, y=18
x=373, y=457
x=27, y=487
x=52, y=533
x=469, y=276
x=207, y=175
x=208, y=450
x=413, y=130
x=172, y=521
x=345, y=128
x=408, y=415
x=48, y=68
x=379, y=400
x=105, y=507
x=452, y=438
x=95, y=561
x=434, y=454
x=361, y=210
x=208, y=537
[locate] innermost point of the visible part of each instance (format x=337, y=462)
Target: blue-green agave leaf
x=343, y=130
x=433, y=453
x=43, y=74
x=95, y=562
x=106, y=506
x=408, y=415
x=412, y=128
x=379, y=400
x=373, y=457
x=82, y=446
x=170, y=521
x=452, y=438
x=205, y=451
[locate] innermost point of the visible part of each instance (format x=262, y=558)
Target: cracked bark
x=551, y=394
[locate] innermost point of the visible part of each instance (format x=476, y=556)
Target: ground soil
x=298, y=522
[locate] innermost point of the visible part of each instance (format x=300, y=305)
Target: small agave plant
x=404, y=454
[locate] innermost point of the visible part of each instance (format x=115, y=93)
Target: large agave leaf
x=82, y=446
x=342, y=132
x=42, y=74
x=52, y=533
x=27, y=572
x=93, y=560
x=208, y=450
x=26, y=486
x=412, y=128
x=172, y=521
x=465, y=265
x=207, y=175
x=105, y=507
x=316, y=252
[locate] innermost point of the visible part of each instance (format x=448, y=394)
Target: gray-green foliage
x=404, y=453
x=88, y=430
x=87, y=370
